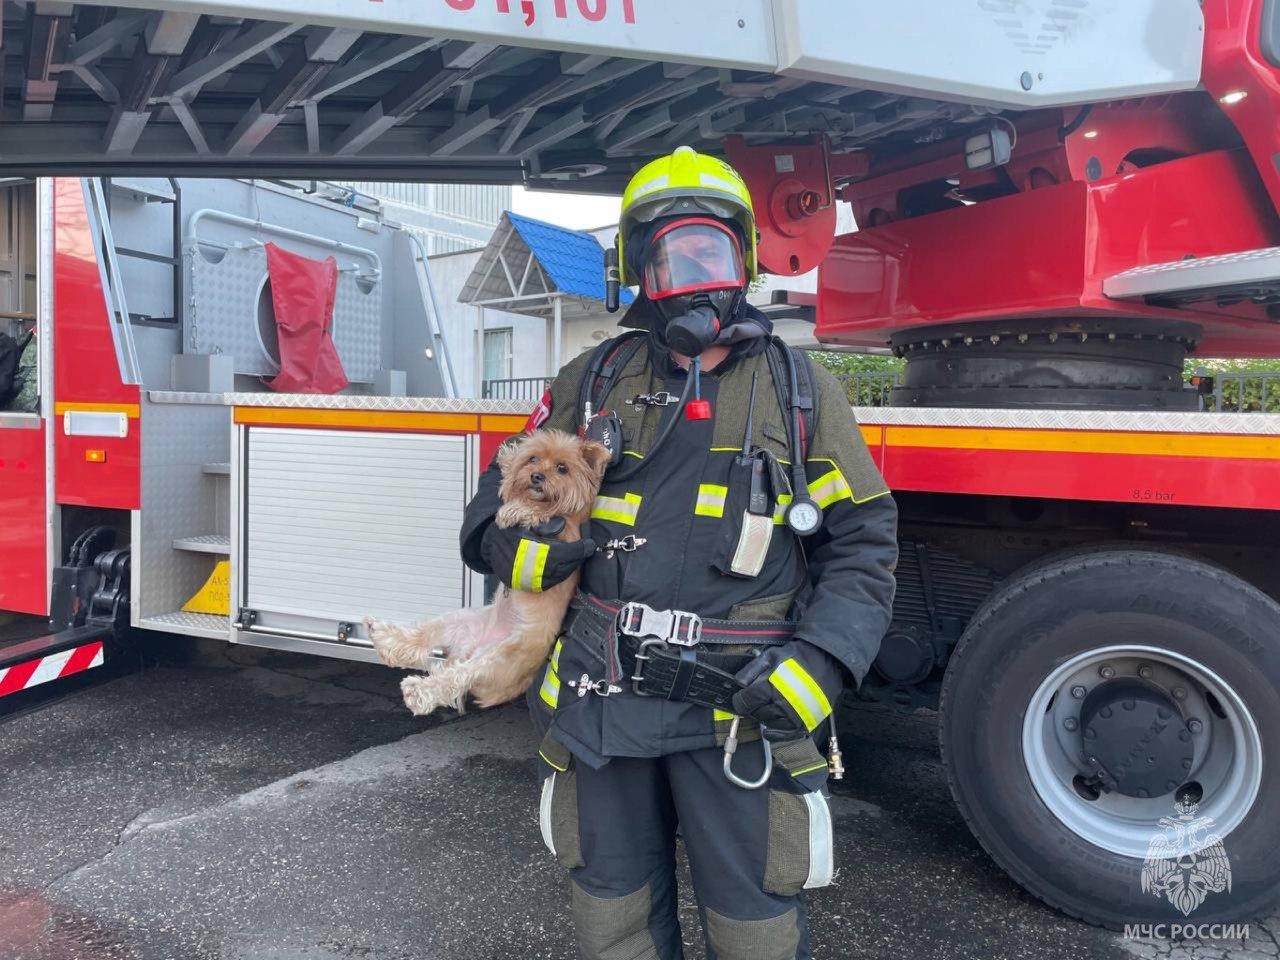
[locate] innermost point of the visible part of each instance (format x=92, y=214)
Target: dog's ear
x=507, y=454
x=596, y=456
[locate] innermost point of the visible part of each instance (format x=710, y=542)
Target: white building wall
x=461, y=324
x=448, y=217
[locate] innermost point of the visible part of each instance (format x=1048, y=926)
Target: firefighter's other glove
x=790, y=689
x=523, y=560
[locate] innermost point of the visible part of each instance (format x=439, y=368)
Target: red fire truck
x=1059, y=203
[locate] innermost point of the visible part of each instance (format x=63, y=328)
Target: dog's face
x=552, y=472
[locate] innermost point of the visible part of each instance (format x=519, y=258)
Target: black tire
x=1038, y=620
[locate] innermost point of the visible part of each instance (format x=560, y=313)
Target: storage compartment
x=342, y=524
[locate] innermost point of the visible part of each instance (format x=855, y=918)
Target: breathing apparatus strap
x=606, y=366
x=789, y=368
x=793, y=381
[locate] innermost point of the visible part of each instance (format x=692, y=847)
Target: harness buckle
x=628, y=544
x=660, y=399
x=601, y=687
x=680, y=627
x=642, y=657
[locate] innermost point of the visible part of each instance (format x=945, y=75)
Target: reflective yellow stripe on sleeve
x=711, y=497
x=550, y=690
x=622, y=509
x=829, y=488
x=530, y=562
x=802, y=692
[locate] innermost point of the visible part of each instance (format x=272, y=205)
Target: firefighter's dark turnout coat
x=837, y=583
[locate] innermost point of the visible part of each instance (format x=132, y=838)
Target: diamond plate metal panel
x=1260, y=424
x=192, y=624
x=346, y=402
x=205, y=543
x=178, y=500
x=1228, y=269
x=222, y=314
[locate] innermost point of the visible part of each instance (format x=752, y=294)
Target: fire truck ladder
x=112, y=286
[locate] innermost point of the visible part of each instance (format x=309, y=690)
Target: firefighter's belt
x=671, y=653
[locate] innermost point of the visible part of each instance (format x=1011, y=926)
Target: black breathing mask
x=694, y=322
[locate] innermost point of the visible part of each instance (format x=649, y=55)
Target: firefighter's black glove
x=523, y=560
x=790, y=689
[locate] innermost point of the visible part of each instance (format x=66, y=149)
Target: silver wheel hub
x=1114, y=735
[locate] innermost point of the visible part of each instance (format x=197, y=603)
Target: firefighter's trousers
x=751, y=853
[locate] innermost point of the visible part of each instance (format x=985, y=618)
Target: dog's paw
x=418, y=696
x=390, y=643
x=426, y=694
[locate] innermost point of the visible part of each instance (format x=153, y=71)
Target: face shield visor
x=692, y=256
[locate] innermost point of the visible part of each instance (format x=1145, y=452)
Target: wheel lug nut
x=1071, y=723
x=1186, y=763
x=1170, y=785
x=1194, y=725
x=1106, y=671
x=1145, y=671
x=1143, y=793
x=1106, y=713
x=1078, y=692
x=1179, y=693
x=1090, y=733
x=1129, y=704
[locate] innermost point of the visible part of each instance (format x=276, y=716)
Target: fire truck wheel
x=1110, y=725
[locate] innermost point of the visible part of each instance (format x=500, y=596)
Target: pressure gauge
x=803, y=517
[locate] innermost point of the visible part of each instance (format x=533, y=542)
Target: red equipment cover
x=302, y=295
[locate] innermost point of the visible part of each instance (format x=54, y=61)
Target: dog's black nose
x=538, y=478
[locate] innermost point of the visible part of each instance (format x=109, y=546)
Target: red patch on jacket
x=541, y=413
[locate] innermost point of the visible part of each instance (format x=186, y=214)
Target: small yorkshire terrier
x=494, y=652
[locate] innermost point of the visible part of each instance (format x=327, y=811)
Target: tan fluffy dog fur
x=494, y=652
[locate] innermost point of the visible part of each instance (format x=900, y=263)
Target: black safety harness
x=670, y=654
x=674, y=654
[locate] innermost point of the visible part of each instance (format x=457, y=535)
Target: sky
x=578, y=211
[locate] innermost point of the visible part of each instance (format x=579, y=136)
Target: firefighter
x=733, y=617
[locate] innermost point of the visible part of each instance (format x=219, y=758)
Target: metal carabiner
x=731, y=747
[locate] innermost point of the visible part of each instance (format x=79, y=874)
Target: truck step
x=29, y=663
x=209, y=625
x=1250, y=273
x=205, y=543
x=217, y=469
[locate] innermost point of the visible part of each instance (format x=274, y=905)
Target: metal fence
x=517, y=388
x=870, y=388
x=1249, y=391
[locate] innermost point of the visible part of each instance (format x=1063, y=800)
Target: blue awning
x=528, y=264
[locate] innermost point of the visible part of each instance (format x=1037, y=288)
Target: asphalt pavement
x=223, y=803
